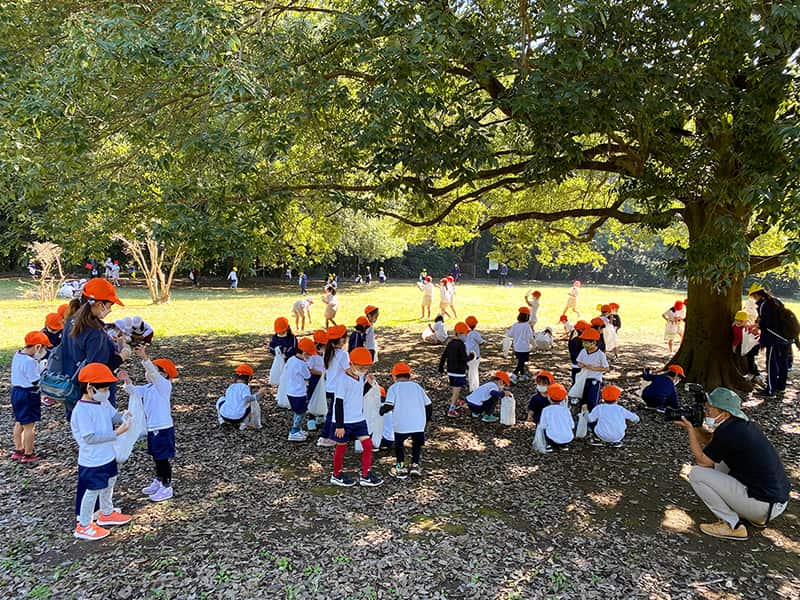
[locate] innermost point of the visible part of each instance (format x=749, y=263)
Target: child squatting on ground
x=156, y=400
x=409, y=408
x=239, y=406
x=483, y=400
x=608, y=419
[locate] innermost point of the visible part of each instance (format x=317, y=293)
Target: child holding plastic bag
x=239, y=406
x=317, y=406
x=556, y=426
x=593, y=363
x=409, y=409
x=539, y=400
x=473, y=343
x=295, y=383
x=372, y=414
x=156, y=401
x=335, y=360
x=483, y=400
x=282, y=346
x=609, y=418
x=436, y=332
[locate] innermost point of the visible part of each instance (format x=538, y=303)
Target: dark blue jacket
x=92, y=345
x=536, y=405
x=287, y=344
x=575, y=345
x=768, y=322
x=356, y=340
x=661, y=386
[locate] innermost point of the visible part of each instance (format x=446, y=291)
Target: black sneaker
x=415, y=470
x=342, y=480
x=616, y=444
x=595, y=441
x=371, y=480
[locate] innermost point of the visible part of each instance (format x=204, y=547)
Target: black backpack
x=786, y=324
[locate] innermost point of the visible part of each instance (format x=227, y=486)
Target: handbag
x=55, y=384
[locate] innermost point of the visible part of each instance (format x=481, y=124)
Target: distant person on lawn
x=738, y=474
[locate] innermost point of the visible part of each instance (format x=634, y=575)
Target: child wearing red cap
x=25, y=398
x=532, y=299
x=473, y=342
x=483, y=400
x=566, y=325
x=456, y=357
x=660, y=391
x=426, y=287
x=593, y=364
x=239, y=406
x=609, y=332
x=358, y=335
x=673, y=317
x=556, y=420
x=609, y=418
x=296, y=377
x=444, y=297
x=331, y=305
x=156, y=400
x=451, y=294
x=371, y=313
x=349, y=419
x=539, y=399
x=283, y=340
x=409, y=409
x=616, y=320
x=572, y=299
x=575, y=345
x=521, y=334
x=336, y=361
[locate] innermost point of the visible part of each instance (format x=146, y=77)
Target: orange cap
x=281, y=325
x=360, y=356
x=307, y=346
x=401, y=368
x=37, y=337
x=168, y=366
x=536, y=294
x=547, y=375
x=321, y=336
x=363, y=321
x=54, y=321
x=613, y=305
x=369, y=308
x=605, y=308
x=598, y=322
x=244, y=370
x=610, y=393
x=590, y=334
x=471, y=321
x=557, y=392
x=461, y=328
x=524, y=310
x=62, y=309
x=503, y=376
x=100, y=289
x=96, y=373
x=677, y=369
x=581, y=325
x=336, y=332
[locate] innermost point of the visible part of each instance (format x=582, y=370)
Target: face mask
x=541, y=389
x=39, y=354
x=360, y=372
x=711, y=422
x=101, y=395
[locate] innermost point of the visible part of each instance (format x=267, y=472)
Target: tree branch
x=610, y=212
x=761, y=264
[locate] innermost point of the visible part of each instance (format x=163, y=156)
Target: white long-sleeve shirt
x=155, y=398
x=522, y=334
x=557, y=422
x=611, y=421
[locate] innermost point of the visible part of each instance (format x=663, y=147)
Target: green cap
x=724, y=399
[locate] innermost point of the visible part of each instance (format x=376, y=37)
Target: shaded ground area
x=254, y=516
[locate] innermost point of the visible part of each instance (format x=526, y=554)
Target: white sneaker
x=242, y=426
x=220, y=420
x=163, y=493
x=152, y=488
x=298, y=436
x=325, y=443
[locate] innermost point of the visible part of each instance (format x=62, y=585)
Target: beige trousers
x=727, y=498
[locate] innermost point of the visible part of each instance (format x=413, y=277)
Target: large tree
x=459, y=116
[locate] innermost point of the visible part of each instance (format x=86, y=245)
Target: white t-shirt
x=439, y=331
x=610, y=418
x=232, y=276
x=297, y=375
x=409, y=401
x=338, y=365
x=155, y=398
x=237, y=399
x=444, y=293
x=522, y=334
x=482, y=393
x=533, y=304
x=595, y=359
x=92, y=418
x=300, y=307
x=351, y=390
x=427, y=290
x=315, y=362
x=24, y=370
x=557, y=422
x=473, y=342
x=369, y=338
x=331, y=300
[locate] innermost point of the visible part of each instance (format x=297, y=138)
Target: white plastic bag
x=749, y=341
x=123, y=445
x=508, y=410
x=539, y=441
x=582, y=430
x=473, y=374
x=507, y=341
x=281, y=396
x=318, y=406
x=542, y=341
x=576, y=391
x=610, y=337
x=276, y=370
x=372, y=407
x=254, y=418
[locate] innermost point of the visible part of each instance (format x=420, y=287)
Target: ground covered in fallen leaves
x=254, y=515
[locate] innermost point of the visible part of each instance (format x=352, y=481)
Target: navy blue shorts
x=27, y=404
x=299, y=404
x=352, y=431
x=161, y=443
x=96, y=478
x=458, y=382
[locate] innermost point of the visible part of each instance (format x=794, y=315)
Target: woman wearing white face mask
x=738, y=474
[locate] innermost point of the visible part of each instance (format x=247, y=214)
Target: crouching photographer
x=737, y=474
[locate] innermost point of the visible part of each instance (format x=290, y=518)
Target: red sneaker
x=115, y=518
x=17, y=455
x=30, y=458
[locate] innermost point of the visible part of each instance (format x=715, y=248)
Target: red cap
x=428, y=278
x=557, y=392
x=54, y=321
x=96, y=373
x=605, y=308
x=536, y=294
x=62, y=309
x=610, y=393
x=678, y=305
x=581, y=325
x=321, y=336
x=576, y=283
x=503, y=376
x=562, y=319
x=360, y=356
x=244, y=370
x=524, y=310
x=677, y=369
x=450, y=279
x=37, y=337
x=369, y=308
x=167, y=366
x=471, y=321
x=100, y=289
x=613, y=305
x=591, y=335
x=401, y=368
x=281, y=325
x=461, y=328
x=336, y=332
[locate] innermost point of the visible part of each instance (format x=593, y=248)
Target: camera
x=694, y=412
